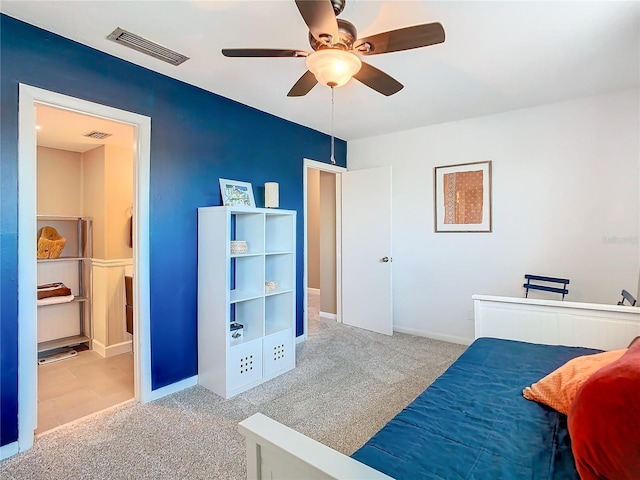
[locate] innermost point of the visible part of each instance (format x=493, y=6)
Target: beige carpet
x=346, y=385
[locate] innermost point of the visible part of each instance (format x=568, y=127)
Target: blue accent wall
x=196, y=138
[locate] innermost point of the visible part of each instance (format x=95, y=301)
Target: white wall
x=59, y=182
x=565, y=203
x=94, y=187
x=108, y=199
x=118, y=177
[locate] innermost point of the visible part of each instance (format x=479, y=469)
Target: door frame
x=325, y=167
x=29, y=96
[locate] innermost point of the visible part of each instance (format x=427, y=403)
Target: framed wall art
x=236, y=194
x=462, y=197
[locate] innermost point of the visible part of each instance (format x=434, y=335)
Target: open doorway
x=363, y=259
x=84, y=178
x=322, y=274
x=30, y=98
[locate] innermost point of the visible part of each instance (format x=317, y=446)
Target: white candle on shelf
x=271, y=195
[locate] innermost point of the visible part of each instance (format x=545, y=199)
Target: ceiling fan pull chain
x=333, y=160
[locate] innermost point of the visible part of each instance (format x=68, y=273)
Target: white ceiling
x=498, y=56
x=67, y=130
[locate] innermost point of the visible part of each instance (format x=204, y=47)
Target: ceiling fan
x=337, y=49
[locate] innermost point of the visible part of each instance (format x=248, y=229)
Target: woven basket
x=270, y=286
x=239, y=246
x=50, y=243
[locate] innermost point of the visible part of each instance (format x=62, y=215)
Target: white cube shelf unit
x=232, y=289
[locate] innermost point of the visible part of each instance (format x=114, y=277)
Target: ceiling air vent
x=146, y=46
x=98, y=135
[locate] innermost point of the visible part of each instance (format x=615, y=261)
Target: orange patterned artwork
x=463, y=197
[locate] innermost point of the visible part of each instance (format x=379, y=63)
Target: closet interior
x=84, y=207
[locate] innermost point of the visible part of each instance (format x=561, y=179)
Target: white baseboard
x=433, y=335
x=9, y=450
x=112, y=350
x=174, y=387
x=329, y=316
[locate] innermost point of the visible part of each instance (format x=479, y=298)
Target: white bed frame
x=556, y=322
x=275, y=451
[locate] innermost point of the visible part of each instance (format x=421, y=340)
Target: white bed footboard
x=275, y=451
x=555, y=322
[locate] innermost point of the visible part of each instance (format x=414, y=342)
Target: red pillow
x=604, y=421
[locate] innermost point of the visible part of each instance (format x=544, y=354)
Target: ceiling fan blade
x=401, y=39
x=378, y=80
x=262, y=52
x=304, y=85
x=320, y=18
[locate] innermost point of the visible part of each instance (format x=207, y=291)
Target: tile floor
x=79, y=386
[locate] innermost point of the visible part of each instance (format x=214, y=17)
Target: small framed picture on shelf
x=236, y=194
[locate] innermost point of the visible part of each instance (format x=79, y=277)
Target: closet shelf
x=62, y=259
x=57, y=218
x=78, y=298
x=62, y=342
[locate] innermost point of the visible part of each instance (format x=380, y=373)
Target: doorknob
x=385, y=259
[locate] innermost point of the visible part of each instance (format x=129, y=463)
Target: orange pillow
x=559, y=387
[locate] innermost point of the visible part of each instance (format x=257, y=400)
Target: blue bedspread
x=474, y=423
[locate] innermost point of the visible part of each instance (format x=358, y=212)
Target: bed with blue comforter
x=474, y=423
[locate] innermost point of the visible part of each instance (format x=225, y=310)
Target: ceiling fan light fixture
x=333, y=67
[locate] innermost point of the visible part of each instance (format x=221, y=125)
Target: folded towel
x=54, y=300
x=53, y=290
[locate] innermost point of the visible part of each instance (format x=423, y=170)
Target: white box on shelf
x=236, y=330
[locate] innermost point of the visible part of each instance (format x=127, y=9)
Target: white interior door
x=366, y=249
